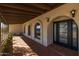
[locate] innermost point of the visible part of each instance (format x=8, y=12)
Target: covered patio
x=41, y=29
x=24, y=46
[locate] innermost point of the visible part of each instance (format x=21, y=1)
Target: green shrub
x=7, y=46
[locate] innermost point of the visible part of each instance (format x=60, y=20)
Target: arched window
x=29, y=30
x=37, y=30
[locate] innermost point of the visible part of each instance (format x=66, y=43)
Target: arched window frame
x=37, y=33
x=29, y=30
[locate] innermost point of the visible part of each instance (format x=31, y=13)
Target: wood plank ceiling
x=17, y=13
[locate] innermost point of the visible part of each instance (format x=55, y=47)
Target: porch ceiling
x=21, y=12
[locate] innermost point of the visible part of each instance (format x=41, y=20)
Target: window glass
x=37, y=31
x=74, y=35
x=63, y=32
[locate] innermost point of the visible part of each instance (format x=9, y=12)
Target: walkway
x=23, y=46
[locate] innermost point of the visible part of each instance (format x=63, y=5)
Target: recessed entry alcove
x=63, y=31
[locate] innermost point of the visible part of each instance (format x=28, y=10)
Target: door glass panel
x=74, y=35
x=66, y=33
x=63, y=32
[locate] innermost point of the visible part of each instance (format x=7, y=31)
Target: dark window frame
x=37, y=31
x=57, y=33
x=29, y=30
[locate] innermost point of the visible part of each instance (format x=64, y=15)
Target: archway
x=37, y=31
x=38, y=34
x=64, y=31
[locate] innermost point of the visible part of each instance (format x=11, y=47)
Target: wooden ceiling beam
x=22, y=8
x=5, y=9
x=17, y=16
x=15, y=20
x=54, y=5
x=20, y=14
x=40, y=5
x=31, y=5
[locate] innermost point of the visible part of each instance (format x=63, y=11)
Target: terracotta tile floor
x=23, y=46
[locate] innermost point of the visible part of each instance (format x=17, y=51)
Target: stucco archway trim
x=40, y=22
x=50, y=27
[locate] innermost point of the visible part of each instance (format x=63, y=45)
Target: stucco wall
x=47, y=36
x=15, y=28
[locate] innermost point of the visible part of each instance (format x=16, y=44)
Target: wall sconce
x=47, y=19
x=73, y=12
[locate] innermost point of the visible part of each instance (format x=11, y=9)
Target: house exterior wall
x=47, y=27
x=15, y=28
x=60, y=13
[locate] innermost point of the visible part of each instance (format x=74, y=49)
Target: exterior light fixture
x=47, y=19
x=73, y=12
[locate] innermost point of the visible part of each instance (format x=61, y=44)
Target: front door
x=65, y=33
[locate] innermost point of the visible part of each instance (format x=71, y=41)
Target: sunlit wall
x=4, y=31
